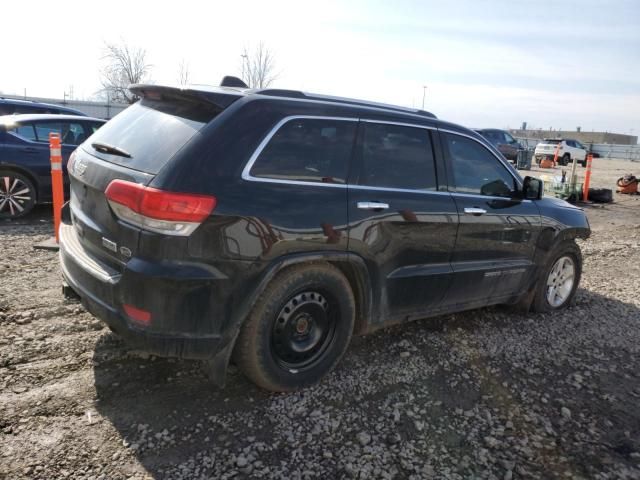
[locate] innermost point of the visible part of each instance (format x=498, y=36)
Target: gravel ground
x=484, y=394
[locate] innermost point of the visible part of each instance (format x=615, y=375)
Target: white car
x=569, y=149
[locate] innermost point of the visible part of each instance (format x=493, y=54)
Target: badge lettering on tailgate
x=109, y=245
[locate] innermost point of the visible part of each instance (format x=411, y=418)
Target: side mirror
x=532, y=188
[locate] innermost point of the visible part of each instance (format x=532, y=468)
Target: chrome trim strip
x=400, y=124
x=500, y=159
x=71, y=247
x=246, y=175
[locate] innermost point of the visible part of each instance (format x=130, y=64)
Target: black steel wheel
x=298, y=329
x=17, y=194
x=303, y=330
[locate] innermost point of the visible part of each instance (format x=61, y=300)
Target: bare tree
x=184, y=76
x=258, y=66
x=124, y=66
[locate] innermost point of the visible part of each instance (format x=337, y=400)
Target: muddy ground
x=484, y=394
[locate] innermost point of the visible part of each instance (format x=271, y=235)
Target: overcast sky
x=485, y=63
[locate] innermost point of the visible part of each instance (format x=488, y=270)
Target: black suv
x=269, y=226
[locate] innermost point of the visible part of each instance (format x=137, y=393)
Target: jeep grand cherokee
x=269, y=226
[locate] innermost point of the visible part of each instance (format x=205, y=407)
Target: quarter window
x=476, y=170
x=395, y=156
x=24, y=131
x=308, y=150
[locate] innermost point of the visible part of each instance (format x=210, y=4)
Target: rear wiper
x=106, y=148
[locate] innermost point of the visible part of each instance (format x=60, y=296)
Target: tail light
x=156, y=210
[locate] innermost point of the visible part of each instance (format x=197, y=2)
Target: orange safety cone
x=587, y=179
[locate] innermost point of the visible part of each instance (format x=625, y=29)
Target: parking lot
x=490, y=393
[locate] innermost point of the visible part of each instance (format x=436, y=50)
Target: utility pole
x=424, y=94
x=244, y=60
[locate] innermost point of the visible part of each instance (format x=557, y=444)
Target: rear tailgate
x=134, y=147
x=96, y=226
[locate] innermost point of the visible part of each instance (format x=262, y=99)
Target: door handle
x=372, y=206
x=475, y=211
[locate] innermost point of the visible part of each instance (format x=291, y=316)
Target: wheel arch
x=352, y=266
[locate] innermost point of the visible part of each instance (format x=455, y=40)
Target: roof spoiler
x=230, y=81
x=218, y=97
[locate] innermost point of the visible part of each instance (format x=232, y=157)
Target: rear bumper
x=181, y=324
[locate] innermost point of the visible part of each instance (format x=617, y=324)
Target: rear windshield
x=151, y=132
x=552, y=141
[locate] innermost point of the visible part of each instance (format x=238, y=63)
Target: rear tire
x=559, y=280
x=17, y=194
x=566, y=158
x=298, y=330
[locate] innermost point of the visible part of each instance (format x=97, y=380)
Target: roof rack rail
x=279, y=92
x=274, y=92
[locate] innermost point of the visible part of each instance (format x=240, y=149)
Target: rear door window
x=308, y=150
x=396, y=156
x=152, y=132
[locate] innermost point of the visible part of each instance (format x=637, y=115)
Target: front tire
x=17, y=194
x=556, y=287
x=298, y=330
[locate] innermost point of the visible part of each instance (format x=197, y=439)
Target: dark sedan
x=503, y=141
x=25, y=168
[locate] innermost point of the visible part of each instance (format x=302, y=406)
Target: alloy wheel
x=560, y=281
x=16, y=196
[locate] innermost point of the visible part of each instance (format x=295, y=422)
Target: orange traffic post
x=587, y=178
x=56, y=180
x=555, y=157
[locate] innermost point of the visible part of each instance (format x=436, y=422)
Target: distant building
x=106, y=110
x=581, y=136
